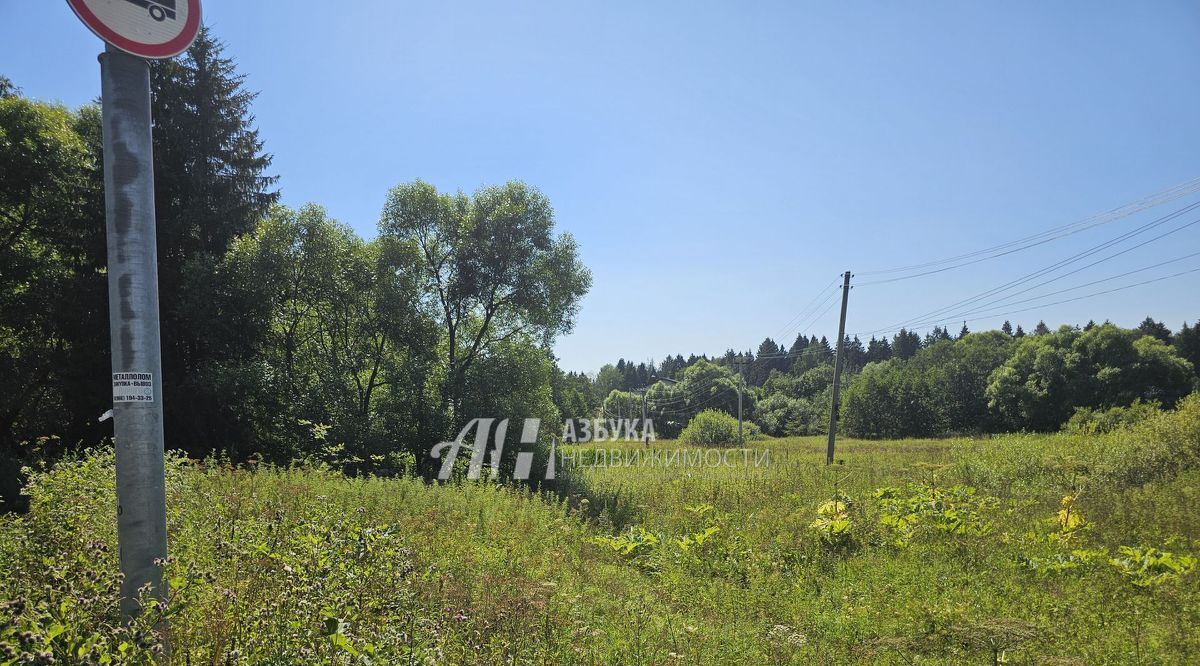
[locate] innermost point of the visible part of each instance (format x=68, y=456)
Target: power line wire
x=813, y=306
x=1000, y=302
x=1170, y=194
x=1085, y=296
x=938, y=313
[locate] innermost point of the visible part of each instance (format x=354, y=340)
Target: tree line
x=911, y=385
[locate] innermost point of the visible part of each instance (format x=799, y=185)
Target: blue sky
x=721, y=162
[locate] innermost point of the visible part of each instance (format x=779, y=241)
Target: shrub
x=892, y=400
x=715, y=428
x=1159, y=447
x=1088, y=421
x=781, y=416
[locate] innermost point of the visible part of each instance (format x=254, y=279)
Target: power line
x=1049, y=269
x=959, y=261
x=803, y=316
x=1085, y=296
x=810, y=322
x=961, y=315
x=1000, y=302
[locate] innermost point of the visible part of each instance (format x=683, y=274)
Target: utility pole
x=837, y=368
x=741, y=363
x=645, y=436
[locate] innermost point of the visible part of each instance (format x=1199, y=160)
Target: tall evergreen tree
x=1155, y=329
x=1007, y=327
x=856, y=354
x=806, y=353
x=1187, y=343
x=936, y=335
x=878, y=350
x=768, y=358
x=906, y=344
x=1041, y=329
x=211, y=187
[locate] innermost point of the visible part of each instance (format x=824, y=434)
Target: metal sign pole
x=133, y=324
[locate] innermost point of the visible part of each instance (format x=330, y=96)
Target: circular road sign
x=153, y=29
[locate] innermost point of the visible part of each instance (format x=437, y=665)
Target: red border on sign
x=156, y=51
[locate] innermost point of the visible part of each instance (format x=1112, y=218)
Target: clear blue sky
x=720, y=162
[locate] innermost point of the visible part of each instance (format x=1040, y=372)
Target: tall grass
x=1014, y=549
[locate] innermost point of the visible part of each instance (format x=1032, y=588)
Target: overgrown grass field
x=1052, y=549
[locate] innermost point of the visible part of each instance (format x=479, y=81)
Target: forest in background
x=910, y=386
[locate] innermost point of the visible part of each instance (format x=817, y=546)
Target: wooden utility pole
x=645, y=434
x=838, y=359
x=741, y=363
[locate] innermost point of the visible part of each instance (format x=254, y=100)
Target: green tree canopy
x=491, y=267
x=1049, y=375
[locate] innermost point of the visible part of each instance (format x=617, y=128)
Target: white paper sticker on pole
x=133, y=387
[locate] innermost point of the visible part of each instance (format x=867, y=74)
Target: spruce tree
x=1007, y=327
x=210, y=187
x=878, y=350
x=1187, y=343
x=906, y=344
x=1156, y=329
x=856, y=354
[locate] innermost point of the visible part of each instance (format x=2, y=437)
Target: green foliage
x=1076, y=561
x=341, y=339
x=891, y=400
x=572, y=394
x=273, y=565
x=1157, y=447
x=781, y=416
x=1187, y=344
x=959, y=371
x=833, y=525
x=638, y=545
x=489, y=267
x=919, y=508
x=990, y=382
x=712, y=427
x=271, y=316
x=1049, y=375
x=702, y=385
x=51, y=247
x=1087, y=421
x=211, y=187
x=940, y=388
x=621, y=404
x=1150, y=567
x=286, y=566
